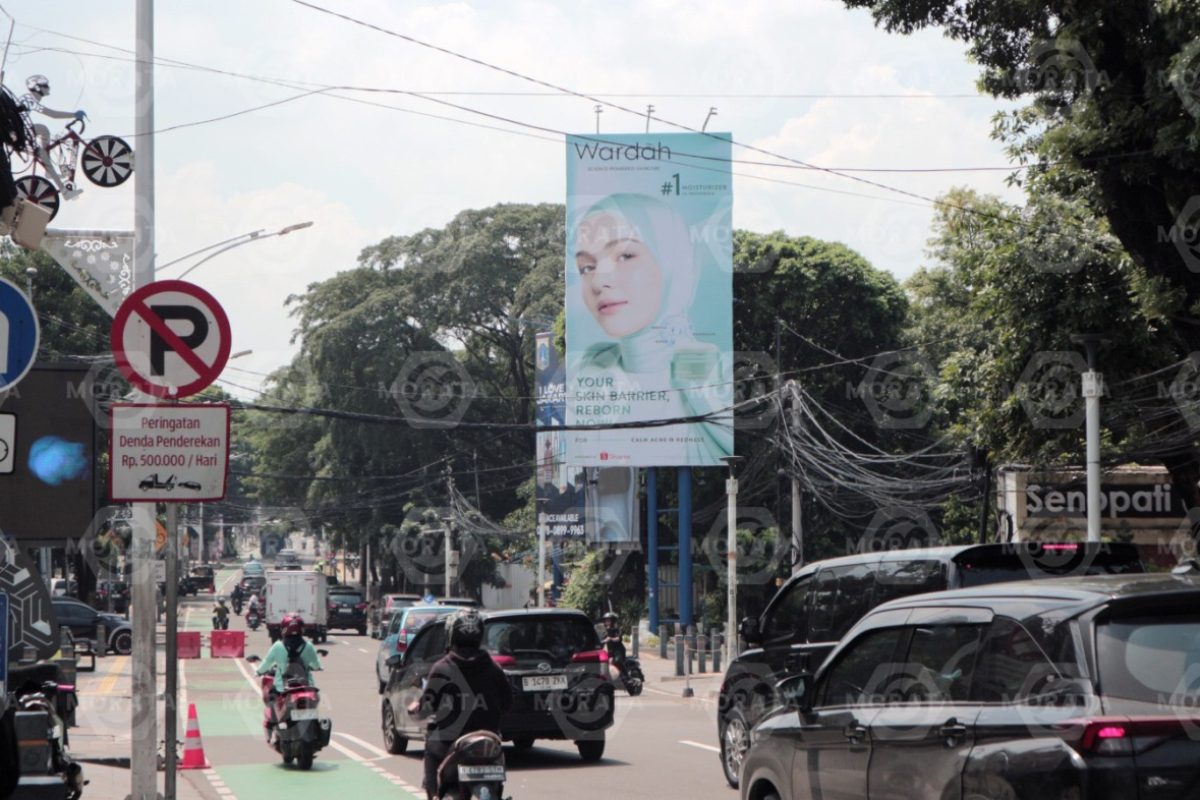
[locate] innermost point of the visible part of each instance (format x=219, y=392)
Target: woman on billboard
x=638, y=274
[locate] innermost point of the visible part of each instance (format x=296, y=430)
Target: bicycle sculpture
x=51, y=163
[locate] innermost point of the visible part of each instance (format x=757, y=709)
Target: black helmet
x=465, y=628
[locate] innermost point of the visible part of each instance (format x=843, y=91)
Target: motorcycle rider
x=253, y=604
x=465, y=692
x=237, y=596
x=612, y=640
x=292, y=656
x=220, y=615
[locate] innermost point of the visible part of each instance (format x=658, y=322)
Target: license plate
x=300, y=714
x=544, y=683
x=480, y=772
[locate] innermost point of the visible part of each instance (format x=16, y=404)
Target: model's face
x=622, y=281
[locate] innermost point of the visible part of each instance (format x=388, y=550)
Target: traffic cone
x=193, y=747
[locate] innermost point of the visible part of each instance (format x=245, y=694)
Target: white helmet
x=38, y=84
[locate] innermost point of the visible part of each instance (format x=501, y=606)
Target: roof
x=517, y=613
x=1088, y=590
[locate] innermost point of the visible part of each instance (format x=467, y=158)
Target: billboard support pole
x=685, y=547
x=652, y=544
x=170, y=710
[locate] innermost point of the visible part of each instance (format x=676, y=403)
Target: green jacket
x=277, y=660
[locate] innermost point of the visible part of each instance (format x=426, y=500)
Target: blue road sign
x=19, y=334
x=4, y=622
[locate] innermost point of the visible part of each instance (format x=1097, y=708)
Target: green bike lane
x=229, y=712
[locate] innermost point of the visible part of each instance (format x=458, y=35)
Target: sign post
x=170, y=339
x=3, y=647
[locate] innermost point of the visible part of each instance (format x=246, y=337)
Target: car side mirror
x=795, y=692
x=750, y=631
x=395, y=660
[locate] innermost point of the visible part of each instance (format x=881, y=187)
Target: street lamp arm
x=254, y=237
x=250, y=235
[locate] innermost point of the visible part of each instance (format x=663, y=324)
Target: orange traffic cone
x=193, y=747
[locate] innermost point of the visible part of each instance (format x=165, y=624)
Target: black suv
x=560, y=679
x=82, y=620
x=1081, y=688
x=346, y=609
x=818, y=604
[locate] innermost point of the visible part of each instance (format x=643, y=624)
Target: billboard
x=560, y=490
x=649, y=300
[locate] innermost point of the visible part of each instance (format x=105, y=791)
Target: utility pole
x=1093, y=386
x=731, y=626
x=475, y=458
x=144, y=714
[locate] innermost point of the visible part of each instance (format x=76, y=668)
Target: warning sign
x=177, y=453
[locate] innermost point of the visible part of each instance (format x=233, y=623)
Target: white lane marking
x=370, y=748
x=363, y=650
x=708, y=747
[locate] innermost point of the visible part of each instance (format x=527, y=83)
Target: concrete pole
x=541, y=570
x=1092, y=385
x=171, y=711
x=731, y=489
x=144, y=715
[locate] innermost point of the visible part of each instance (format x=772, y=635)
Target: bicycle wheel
x=39, y=191
x=107, y=161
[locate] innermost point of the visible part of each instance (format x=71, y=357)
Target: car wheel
x=591, y=750
x=392, y=740
x=122, y=642
x=522, y=744
x=735, y=741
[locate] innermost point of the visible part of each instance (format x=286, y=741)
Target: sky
x=805, y=79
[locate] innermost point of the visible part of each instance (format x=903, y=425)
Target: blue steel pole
x=652, y=545
x=685, y=547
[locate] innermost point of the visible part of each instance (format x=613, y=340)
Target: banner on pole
x=101, y=262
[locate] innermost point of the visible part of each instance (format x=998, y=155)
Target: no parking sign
x=170, y=339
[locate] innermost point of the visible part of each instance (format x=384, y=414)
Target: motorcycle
x=630, y=669
x=253, y=619
x=299, y=730
x=220, y=623
x=50, y=697
x=473, y=769
x=237, y=606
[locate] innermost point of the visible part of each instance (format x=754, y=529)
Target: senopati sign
x=1151, y=500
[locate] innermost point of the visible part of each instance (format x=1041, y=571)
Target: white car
x=61, y=587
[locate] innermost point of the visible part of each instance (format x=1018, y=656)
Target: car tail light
x=590, y=657
x=504, y=661
x=401, y=640
x=361, y=607
x=1114, y=736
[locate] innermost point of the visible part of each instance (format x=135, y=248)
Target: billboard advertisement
x=649, y=300
x=560, y=490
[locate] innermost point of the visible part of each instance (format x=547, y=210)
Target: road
x=660, y=745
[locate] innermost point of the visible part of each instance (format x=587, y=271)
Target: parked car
x=1080, y=687
x=818, y=604
x=346, y=609
x=204, y=577
x=112, y=596
x=402, y=628
x=82, y=620
x=552, y=657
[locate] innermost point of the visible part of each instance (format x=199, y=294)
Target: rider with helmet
x=220, y=614
x=612, y=639
x=465, y=691
x=38, y=87
x=292, y=657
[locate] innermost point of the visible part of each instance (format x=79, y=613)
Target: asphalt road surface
x=660, y=746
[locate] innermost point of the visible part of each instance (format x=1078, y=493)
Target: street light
x=231, y=243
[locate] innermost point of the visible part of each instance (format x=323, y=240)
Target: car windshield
x=1152, y=659
x=537, y=637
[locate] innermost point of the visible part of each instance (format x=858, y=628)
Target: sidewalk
x=661, y=677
